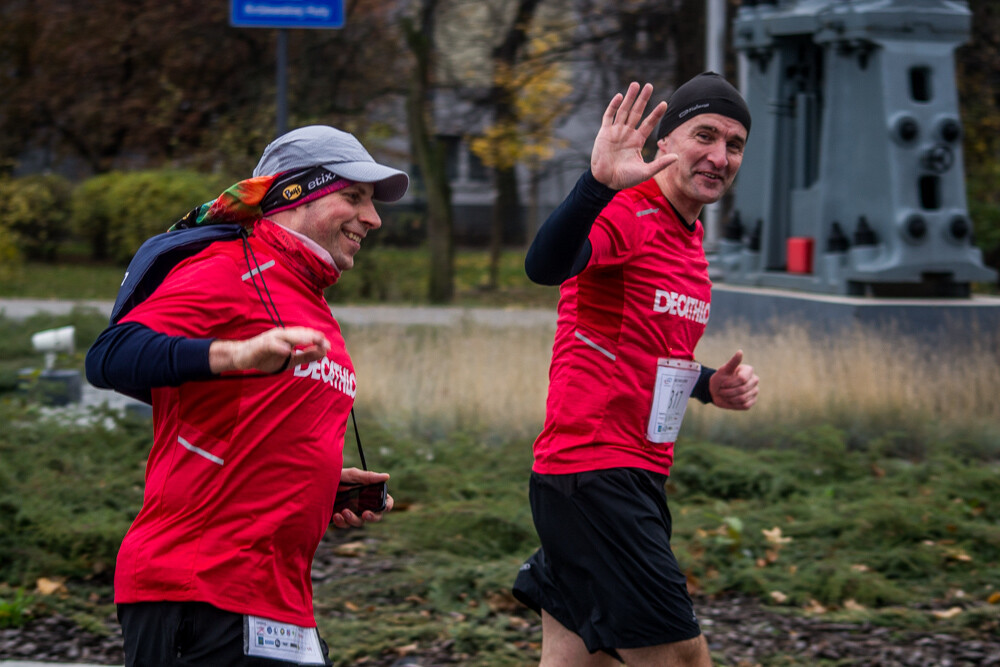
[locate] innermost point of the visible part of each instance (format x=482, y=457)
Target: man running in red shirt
x=251, y=386
x=626, y=247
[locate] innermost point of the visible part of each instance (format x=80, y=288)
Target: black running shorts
x=605, y=569
x=186, y=634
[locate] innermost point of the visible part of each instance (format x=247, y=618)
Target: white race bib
x=265, y=638
x=675, y=379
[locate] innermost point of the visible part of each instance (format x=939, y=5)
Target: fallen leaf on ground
x=774, y=536
x=406, y=650
x=350, y=549
x=814, y=607
x=54, y=586
x=518, y=623
x=502, y=601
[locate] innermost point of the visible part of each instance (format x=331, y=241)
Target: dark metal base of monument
x=929, y=288
x=51, y=387
x=934, y=320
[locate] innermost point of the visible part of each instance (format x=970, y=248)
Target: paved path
x=20, y=309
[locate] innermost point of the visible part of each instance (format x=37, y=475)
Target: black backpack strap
x=158, y=255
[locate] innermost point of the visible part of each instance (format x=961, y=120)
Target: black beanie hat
x=706, y=93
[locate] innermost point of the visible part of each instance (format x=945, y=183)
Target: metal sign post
x=715, y=51
x=284, y=14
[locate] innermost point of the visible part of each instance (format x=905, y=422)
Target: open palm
x=616, y=159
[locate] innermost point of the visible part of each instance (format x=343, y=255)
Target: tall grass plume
x=857, y=377
x=436, y=380
x=478, y=378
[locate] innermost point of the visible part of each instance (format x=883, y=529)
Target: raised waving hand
x=616, y=160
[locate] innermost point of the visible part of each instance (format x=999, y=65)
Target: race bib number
x=264, y=638
x=675, y=380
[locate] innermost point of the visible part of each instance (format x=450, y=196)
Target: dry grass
x=439, y=379
x=435, y=380
x=860, y=376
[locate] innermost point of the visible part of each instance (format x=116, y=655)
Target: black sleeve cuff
x=702, y=390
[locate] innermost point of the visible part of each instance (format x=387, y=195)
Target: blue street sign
x=286, y=13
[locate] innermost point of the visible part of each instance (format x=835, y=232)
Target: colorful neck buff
x=248, y=201
x=239, y=204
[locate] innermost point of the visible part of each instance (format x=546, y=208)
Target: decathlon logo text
x=330, y=372
x=681, y=305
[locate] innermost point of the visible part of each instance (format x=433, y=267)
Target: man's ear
x=663, y=144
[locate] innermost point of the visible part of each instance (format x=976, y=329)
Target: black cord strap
x=272, y=312
x=357, y=436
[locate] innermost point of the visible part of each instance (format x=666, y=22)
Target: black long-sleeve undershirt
x=133, y=359
x=561, y=249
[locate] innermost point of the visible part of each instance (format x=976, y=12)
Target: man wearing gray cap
x=626, y=248
x=251, y=386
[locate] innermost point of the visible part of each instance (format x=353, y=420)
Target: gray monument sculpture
x=853, y=183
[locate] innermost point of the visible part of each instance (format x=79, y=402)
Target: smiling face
x=709, y=149
x=338, y=221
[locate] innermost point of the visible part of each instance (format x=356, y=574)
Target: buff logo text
x=320, y=182
x=330, y=372
x=681, y=305
x=292, y=192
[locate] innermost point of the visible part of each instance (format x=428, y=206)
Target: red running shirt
x=644, y=295
x=242, y=473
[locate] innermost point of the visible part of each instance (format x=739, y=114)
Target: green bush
x=894, y=531
x=36, y=214
x=91, y=208
x=403, y=226
x=986, y=227
x=116, y=212
x=727, y=473
x=467, y=530
x=67, y=493
x=14, y=607
x=11, y=260
x=984, y=209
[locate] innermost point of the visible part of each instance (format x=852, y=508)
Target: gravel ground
x=740, y=631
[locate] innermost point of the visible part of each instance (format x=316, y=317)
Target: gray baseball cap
x=335, y=150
